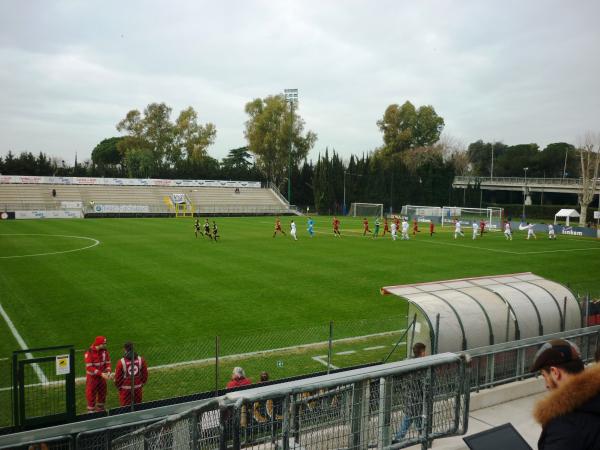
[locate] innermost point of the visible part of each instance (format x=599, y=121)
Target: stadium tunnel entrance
x=476, y=312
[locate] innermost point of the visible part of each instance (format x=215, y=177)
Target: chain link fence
x=176, y=371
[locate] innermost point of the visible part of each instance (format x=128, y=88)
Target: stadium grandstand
x=96, y=197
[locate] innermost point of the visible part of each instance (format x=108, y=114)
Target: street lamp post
x=525, y=191
x=291, y=96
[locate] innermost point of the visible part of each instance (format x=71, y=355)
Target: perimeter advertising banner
x=57, y=214
x=18, y=179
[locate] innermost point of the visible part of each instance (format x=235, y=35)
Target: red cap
x=100, y=340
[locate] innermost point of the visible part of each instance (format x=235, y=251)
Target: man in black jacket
x=570, y=413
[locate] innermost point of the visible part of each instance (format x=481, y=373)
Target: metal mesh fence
x=401, y=404
x=206, y=364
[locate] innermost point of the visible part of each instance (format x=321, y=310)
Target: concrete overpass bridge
x=525, y=185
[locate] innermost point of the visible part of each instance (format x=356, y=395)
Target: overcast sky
x=516, y=71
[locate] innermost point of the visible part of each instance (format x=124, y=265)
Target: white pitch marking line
x=348, y=352
x=324, y=362
x=23, y=345
x=96, y=242
x=377, y=347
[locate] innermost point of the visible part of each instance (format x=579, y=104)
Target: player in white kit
x=475, y=230
x=529, y=228
x=507, y=231
x=457, y=229
x=551, y=234
x=293, y=230
x=405, y=230
x=394, y=231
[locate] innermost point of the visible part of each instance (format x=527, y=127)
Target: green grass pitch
x=153, y=282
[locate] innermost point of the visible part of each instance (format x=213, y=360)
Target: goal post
x=491, y=216
x=366, y=210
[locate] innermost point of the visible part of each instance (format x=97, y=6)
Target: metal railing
x=519, y=181
x=510, y=361
x=276, y=191
x=392, y=405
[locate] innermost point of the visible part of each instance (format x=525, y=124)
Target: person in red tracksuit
x=98, y=370
x=130, y=363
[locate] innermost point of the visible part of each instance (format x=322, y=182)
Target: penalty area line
x=11, y=326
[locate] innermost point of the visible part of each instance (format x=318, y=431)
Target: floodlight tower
x=291, y=96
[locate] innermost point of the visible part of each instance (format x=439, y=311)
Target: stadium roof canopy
x=475, y=312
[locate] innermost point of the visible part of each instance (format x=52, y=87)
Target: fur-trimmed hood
x=575, y=393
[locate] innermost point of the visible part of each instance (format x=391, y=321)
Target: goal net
x=366, y=210
x=422, y=213
x=491, y=216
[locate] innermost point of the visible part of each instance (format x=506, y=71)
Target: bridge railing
x=519, y=180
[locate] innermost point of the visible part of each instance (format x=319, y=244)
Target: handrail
x=520, y=180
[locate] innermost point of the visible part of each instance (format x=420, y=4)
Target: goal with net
x=366, y=210
x=491, y=216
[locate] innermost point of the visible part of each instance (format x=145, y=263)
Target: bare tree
x=589, y=152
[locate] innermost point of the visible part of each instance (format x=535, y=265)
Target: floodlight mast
x=291, y=96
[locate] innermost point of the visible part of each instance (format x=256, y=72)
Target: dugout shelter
x=461, y=314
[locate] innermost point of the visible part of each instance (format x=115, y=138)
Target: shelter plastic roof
x=567, y=213
x=480, y=311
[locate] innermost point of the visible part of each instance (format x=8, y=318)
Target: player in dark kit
x=366, y=226
x=197, y=228
x=336, y=227
x=278, y=227
x=215, y=231
x=207, y=230
x=386, y=228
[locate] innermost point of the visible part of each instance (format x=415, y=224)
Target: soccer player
x=207, y=230
x=394, y=228
x=336, y=227
x=475, y=230
x=397, y=222
x=529, y=228
x=405, y=230
x=278, y=227
x=415, y=227
x=481, y=227
x=377, y=225
x=386, y=228
x=215, y=231
x=197, y=228
x=507, y=231
x=293, y=230
x=311, y=224
x=431, y=228
x=366, y=227
x=551, y=234
x=98, y=370
x=457, y=229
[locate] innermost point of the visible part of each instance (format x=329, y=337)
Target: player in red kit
x=431, y=228
x=397, y=222
x=98, y=370
x=336, y=227
x=366, y=226
x=386, y=228
x=130, y=364
x=481, y=227
x=278, y=227
x=415, y=227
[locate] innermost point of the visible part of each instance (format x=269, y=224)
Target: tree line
x=414, y=164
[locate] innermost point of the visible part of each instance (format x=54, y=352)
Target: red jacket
x=238, y=382
x=96, y=362
x=123, y=373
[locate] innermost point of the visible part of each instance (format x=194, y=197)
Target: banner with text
x=40, y=214
x=18, y=179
